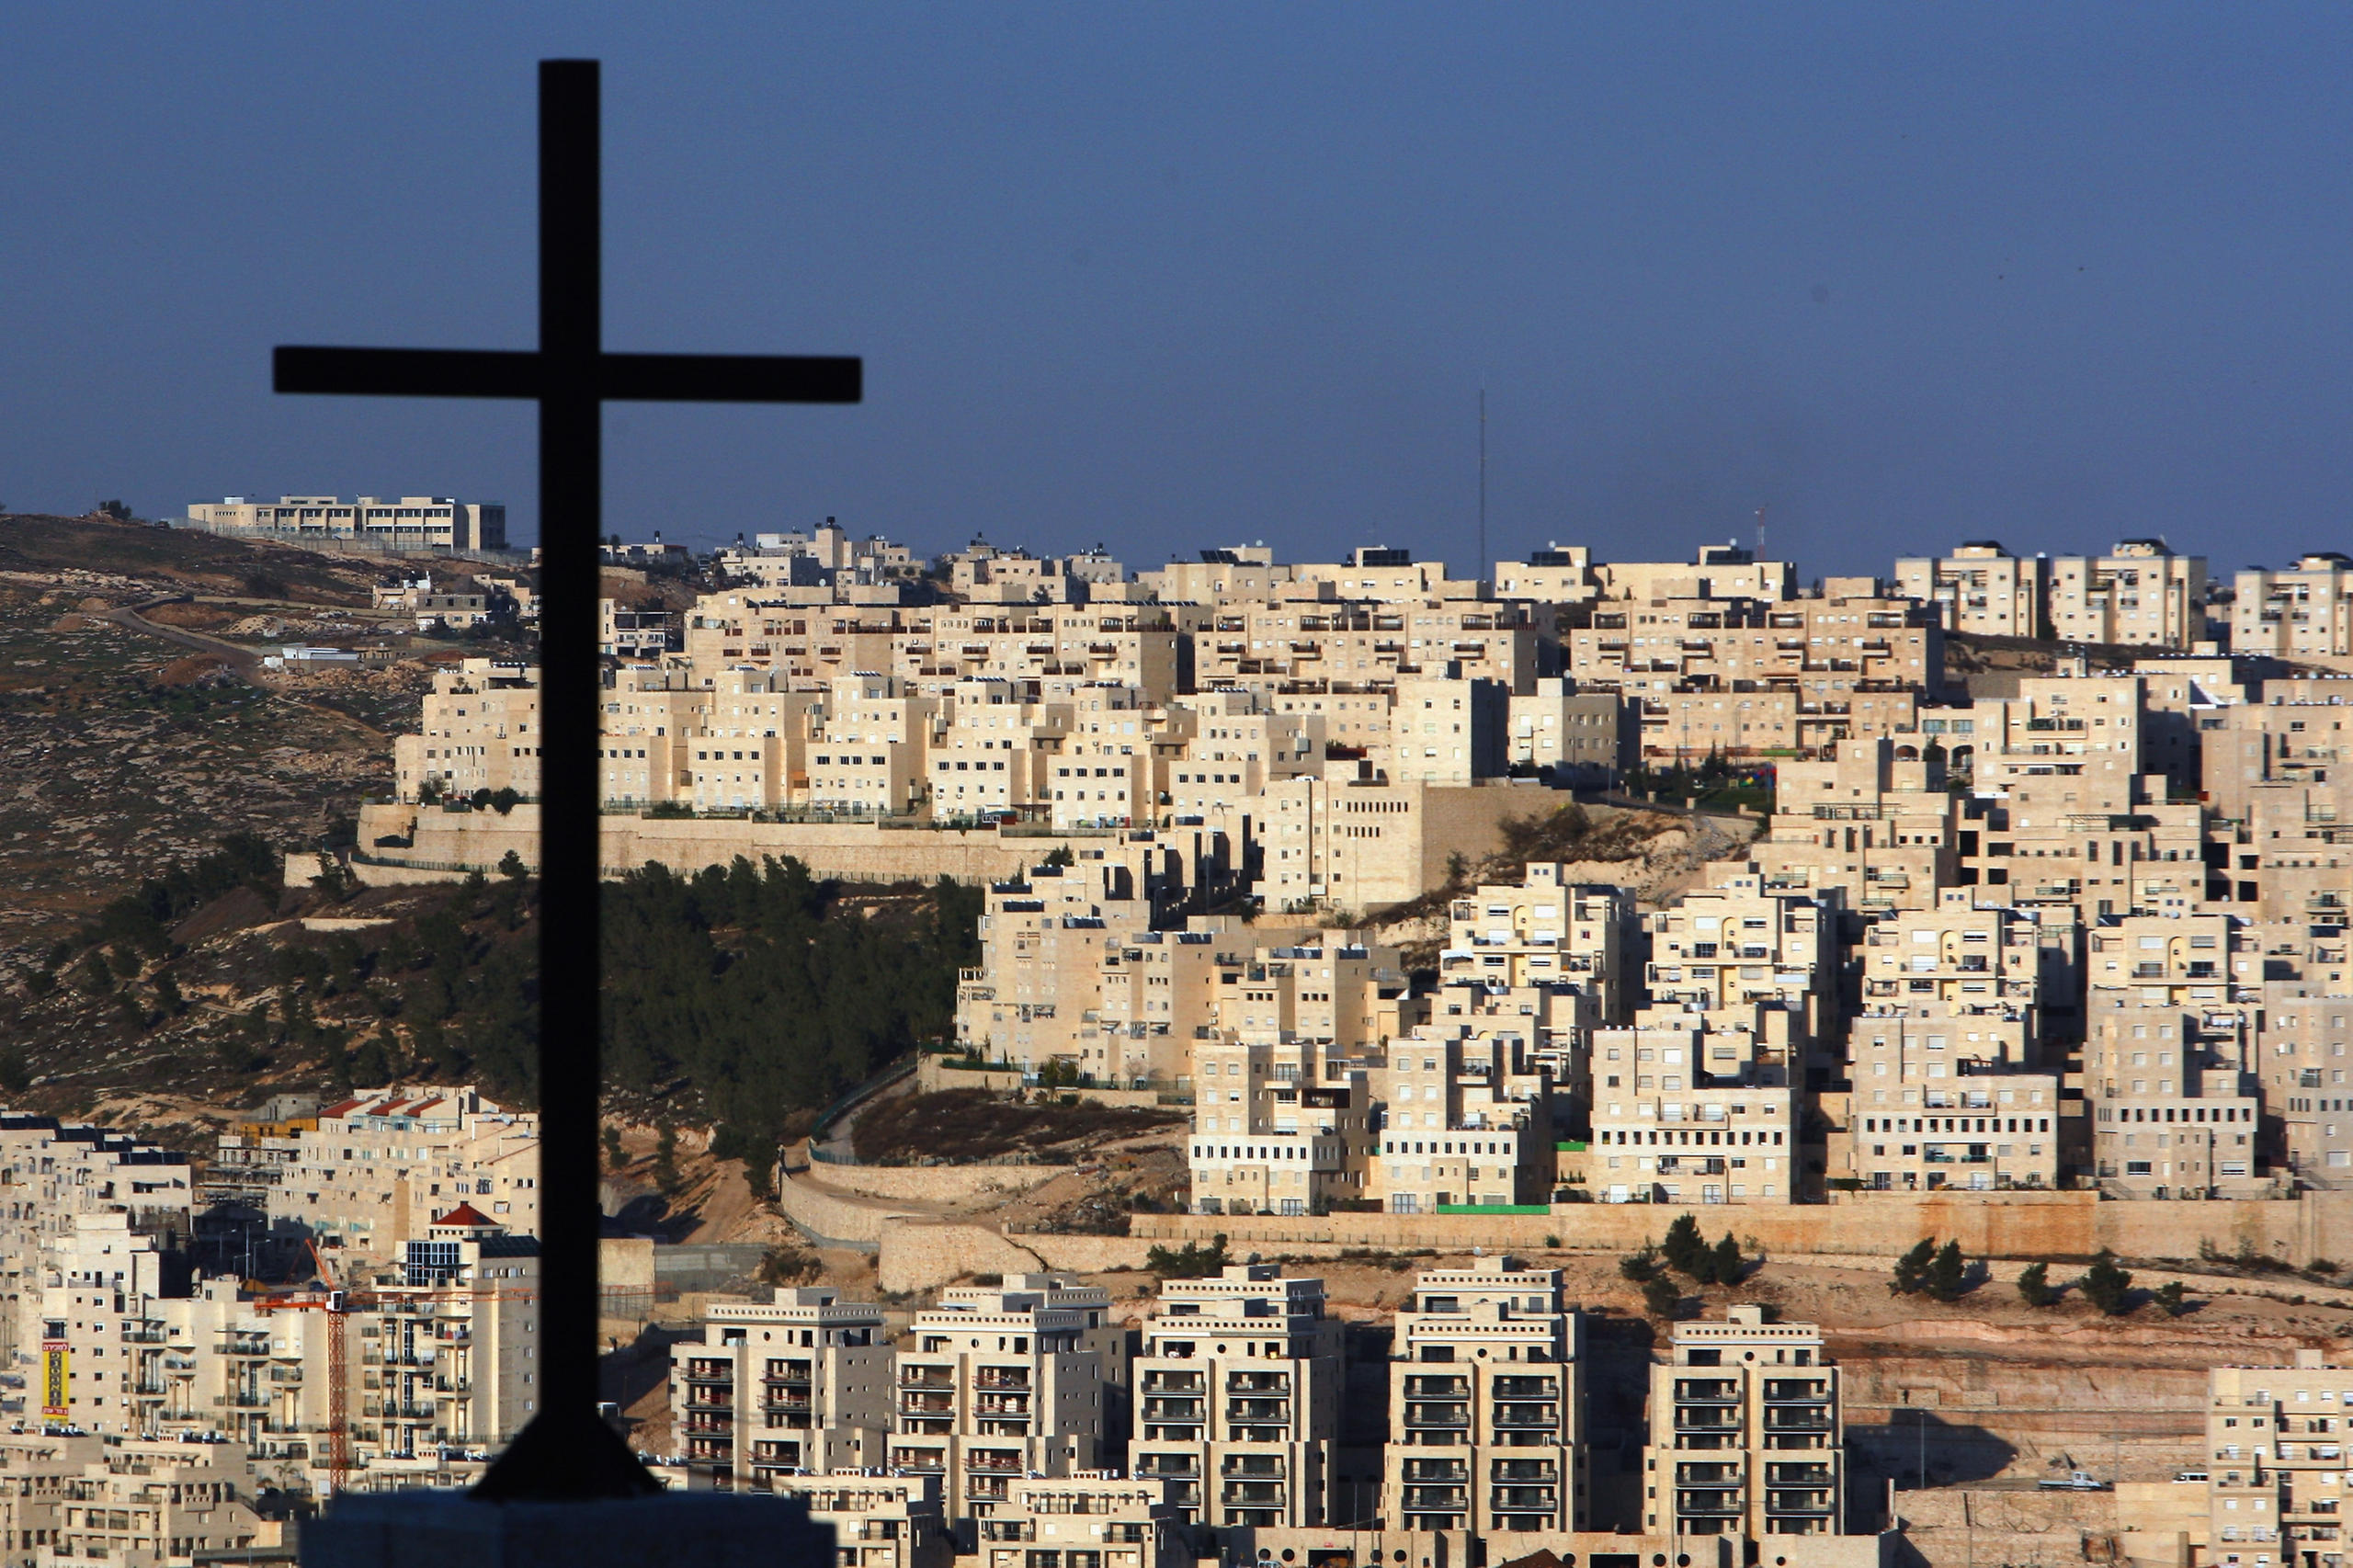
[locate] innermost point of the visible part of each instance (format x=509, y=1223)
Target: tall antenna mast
x=1761, y=533
x=1483, y=486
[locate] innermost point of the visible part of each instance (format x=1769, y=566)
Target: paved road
x=128, y=617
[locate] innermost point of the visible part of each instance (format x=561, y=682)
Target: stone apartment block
x=138, y=1503
x=2276, y=1482
x=1982, y=588
x=1956, y=954
x=480, y=730
x=1354, y=839
x=2141, y=592
x=1280, y=1127
x=1683, y=1113
x=1239, y=1384
x=1571, y=736
x=1716, y=572
x=1000, y=1384
x=1746, y=1433
x=800, y=1383
x=1446, y=729
x=1467, y=1121
x=2306, y=610
x=53, y=1176
x=1947, y=1096
x=408, y=522
x=372, y=1174
x=2174, y=1107
x=1872, y=824
x=1722, y=949
x=1311, y=648
x=1085, y=1519
x=630, y=632
x=878, y=1520
x=2300, y=1050
x=2280, y=799
x=1486, y=1405
x=1544, y=933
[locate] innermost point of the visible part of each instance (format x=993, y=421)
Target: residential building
x=371, y=1175
x=878, y=1520
x=1982, y=588
x=1546, y=932
x=2280, y=800
x=2276, y=1484
x=409, y=522
x=1467, y=1121
x=480, y=730
x=1746, y=1433
x=1486, y=1405
x=1088, y=1518
x=1281, y=1126
x=2305, y=611
x=1950, y=1096
x=999, y=1383
x=1684, y=1113
x=799, y=1383
x=1739, y=942
x=1239, y=1382
x=2139, y=593
x=1351, y=837
x=2175, y=1112
x=635, y=632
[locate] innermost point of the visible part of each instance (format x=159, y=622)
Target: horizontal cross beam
x=522, y=373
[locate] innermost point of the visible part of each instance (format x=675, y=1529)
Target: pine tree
x=1948, y=1273
x=2105, y=1286
x=1730, y=1263
x=2174, y=1297
x=1661, y=1299
x=1684, y=1246
x=1912, y=1270
x=2034, y=1285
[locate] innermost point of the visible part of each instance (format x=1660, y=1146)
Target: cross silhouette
x=567, y=1450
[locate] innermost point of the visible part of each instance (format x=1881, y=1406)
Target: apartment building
x=877, y=1520
x=480, y=730
x=1239, y=1384
x=2175, y=1112
x=1546, y=932
x=801, y=644
x=1447, y=729
x=1486, y=1405
x=1687, y=1114
x=1568, y=737
x=1949, y=1097
x=2139, y=593
x=799, y=1383
x=139, y=1502
x=1352, y=837
x=53, y=1174
x=2280, y=800
x=1143, y=646
x=1088, y=1519
x=634, y=631
x=1872, y=824
x=1359, y=643
x=2276, y=1482
x=373, y=1173
x=2300, y=1050
x=2305, y=611
x=1747, y=1436
x=1466, y=1124
x=1559, y=575
x=1981, y=589
x=1280, y=1126
x=102, y=1332
x=998, y=1384
x=407, y=522
x=1725, y=571
x=1956, y=953
x=1212, y=755
x=1726, y=946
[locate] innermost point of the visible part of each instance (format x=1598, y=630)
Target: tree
x=2107, y=1286
x=15, y=1077
x=2034, y=1285
x=512, y=868
x=1684, y=1246
x=1730, y=1262
x=1911, y=1273
x=505, y=799
x=1640, y=1267
x=118, y=511
x=1948, y=1275
x=666, y=1158
x=615, y=1156
x=2174, y=1297
x=1663, y=1299
x=1191, y=1261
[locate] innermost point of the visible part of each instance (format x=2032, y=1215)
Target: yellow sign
x=53, y=1380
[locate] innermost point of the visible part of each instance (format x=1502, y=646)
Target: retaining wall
x=1995, y=1224
x=932, y=1184
x=916, y=1254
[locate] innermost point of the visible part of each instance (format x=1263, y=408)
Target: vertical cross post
x=566, y=1452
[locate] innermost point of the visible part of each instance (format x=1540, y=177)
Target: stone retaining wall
x=917, y=1254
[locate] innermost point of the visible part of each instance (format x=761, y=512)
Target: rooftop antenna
x=1761, y=533
x=1482, y=563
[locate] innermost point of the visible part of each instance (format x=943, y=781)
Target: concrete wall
x=931, y=1184
x=1996, y=1224
x=849, y=851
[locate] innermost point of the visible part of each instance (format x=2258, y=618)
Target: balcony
x=1435, y=1499
x=1440, y=1416
x=1708, y=1504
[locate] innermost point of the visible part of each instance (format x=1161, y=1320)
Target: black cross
x=566, y=1452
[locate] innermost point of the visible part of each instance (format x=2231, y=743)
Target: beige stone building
x=1087, y=1518
x=1239, y=1384
x=1466, y=1122
x=2275, y=1477
x=1981, y=589
x=1487, y=1406
x=800, y=1383
x=2303, y=1040
x=1951, y=1095
x=1001, y=1383
x=1747, y=1436
x=1683, y=1113
x=1872, y=824
x=2174, y=1110
x=407, y=522
x=1717, y=572
x=371, y=1176
x=2306, y=610
x=1724, y=947
x=1316, y=648
x=2139, y=593
x=480, y=730
x=1546, y=932
x=1280, y=1126
x=2280, y=800
x=142, y=1503
x=878, y=1520
x=1353, y=838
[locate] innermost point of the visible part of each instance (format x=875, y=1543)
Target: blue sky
x=1163, y=277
